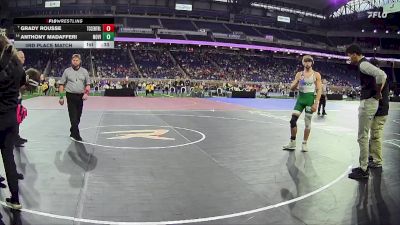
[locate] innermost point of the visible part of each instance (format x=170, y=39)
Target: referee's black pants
x=322, y=102
x=75, y=105
x=8, y=132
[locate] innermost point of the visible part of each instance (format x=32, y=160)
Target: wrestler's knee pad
x=293, y=121
x=307, y=120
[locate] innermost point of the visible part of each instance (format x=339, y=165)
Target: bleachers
x=139, y=22
x=170, y=36
x=36, y=58
x=248, y=30
x=201, y=63
x=155, y=64
x=61, y=59
x=336, y=41
x=113, y=63
x=366, y=42
x=197, y=65
x=198, y=38
x=173, y=24
x=234, y=41
x=214, y=27
x=391, y=43
x=276, y=33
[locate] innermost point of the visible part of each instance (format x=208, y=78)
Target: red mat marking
x=135, y=103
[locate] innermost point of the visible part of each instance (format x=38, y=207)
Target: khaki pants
x=366, y=113
x=375, y=141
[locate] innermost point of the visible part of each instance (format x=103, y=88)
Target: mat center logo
x=156, y=134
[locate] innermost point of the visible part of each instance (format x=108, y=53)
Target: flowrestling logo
x=380, y=15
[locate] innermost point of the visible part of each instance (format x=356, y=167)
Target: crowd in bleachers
x=61, y=59
x=214, y=65
x=233, y=66
x=263, y=69
x=38, y=58
x=197, y=65
x=337, y=74
x=106, y=63
x=113, y=63
x=156, y=64
x=194, y=64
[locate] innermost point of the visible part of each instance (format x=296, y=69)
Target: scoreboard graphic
x=64, y=33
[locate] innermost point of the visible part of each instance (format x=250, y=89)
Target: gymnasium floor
x=202, y=161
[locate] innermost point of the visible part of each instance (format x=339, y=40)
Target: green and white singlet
x=306, y=93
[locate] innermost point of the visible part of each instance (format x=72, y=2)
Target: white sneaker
x=304, y=147
x=290, y=146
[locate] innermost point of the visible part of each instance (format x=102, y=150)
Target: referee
x=77, y=87
x=322, y=101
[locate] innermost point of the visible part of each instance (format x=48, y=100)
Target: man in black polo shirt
x=372, y=81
